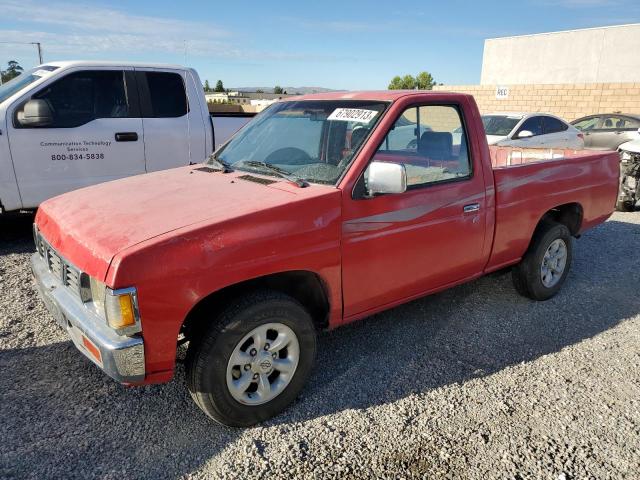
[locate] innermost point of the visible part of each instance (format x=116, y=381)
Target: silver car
x=608, y=131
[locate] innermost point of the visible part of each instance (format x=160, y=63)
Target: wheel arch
x=569, y=214
x=305, y=286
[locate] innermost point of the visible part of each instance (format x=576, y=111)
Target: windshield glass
x=21, y=81
x=312, y=140
x=499, y=124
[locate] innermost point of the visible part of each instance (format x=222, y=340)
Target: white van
x=67, y=125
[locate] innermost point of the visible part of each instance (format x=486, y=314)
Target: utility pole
x=37, y=44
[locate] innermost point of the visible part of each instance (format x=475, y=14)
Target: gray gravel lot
x=475, y=382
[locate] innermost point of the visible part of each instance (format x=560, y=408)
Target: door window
x=587, y=124
x=167, y=94
x=553, y=125
x=81, y=97
x=533, y=124
x=620, y=123
x=431, y=142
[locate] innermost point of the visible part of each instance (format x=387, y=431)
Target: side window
x=587, y=124
x=620, y=123
x=81, y=97
x=533, y=124
x=431, y=142
x=168, y=96
x=553, y=125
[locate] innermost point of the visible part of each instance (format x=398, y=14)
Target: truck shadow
x=15, y=233
x=60, y=415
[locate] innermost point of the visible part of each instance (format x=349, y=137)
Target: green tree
x=425, y=81
x=408, y=82
x=13, y=70
x=207, y=87
x=396, y=83
x=219, y=86
x=277, y=90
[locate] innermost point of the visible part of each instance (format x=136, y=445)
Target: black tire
x=526, y=275
x=625, y=206
x=208, y=357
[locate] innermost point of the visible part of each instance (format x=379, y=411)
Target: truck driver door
x=396, y=246
x=90, y=131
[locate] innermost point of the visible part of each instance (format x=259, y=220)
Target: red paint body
x=179, y=235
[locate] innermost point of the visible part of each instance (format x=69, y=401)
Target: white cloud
x=73, y=30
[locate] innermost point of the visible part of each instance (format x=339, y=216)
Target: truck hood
x=90, y=226
x=632, y=146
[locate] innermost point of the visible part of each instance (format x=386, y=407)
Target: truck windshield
x=499, y=124
x=23, y=80
x=311, y=140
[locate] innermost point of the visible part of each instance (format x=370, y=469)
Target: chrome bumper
x=122, y=358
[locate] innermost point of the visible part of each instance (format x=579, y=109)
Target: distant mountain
x=289, y=90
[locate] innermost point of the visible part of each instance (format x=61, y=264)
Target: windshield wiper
x=281, y=172
x=221, y=164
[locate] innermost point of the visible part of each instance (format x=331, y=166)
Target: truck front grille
x=63, y=270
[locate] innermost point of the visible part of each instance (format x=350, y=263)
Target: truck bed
x=530, y=182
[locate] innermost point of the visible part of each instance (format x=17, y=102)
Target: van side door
x=92, y=133
x=173, y=132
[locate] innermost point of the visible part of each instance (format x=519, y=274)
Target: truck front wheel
x=544, y=268
x=253, y=361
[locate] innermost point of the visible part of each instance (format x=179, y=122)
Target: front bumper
x=120, y=357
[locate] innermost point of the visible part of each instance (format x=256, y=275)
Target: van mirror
x=385, y=177
x=35, y=113
x=525, y=134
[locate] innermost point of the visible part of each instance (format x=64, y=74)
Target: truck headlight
x=121, y=309
x=118, y=307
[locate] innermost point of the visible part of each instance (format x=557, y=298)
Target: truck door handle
x=126, y=137
x=472, y=207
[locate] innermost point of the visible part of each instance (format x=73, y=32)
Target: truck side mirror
x=35, y=113
x=385, y=177
x=525, y=134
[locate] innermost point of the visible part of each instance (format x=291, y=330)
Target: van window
x=168, y=96
x=80, y=97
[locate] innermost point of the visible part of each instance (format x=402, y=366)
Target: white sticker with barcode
x=352, y=115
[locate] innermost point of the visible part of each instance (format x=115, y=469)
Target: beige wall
x=591, y=55
x=569, y=101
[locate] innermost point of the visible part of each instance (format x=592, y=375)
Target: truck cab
x=68, y=125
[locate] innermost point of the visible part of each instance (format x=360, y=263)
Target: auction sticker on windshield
x=352, y=115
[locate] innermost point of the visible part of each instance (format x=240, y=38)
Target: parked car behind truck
x=67, y=125
x=531, y=130
x=608, y=131
x=629, y=195
x=311, y=217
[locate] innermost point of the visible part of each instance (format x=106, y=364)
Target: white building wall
x=593, y=55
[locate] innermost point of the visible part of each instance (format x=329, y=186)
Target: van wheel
x=253, y=361
x=544, y=268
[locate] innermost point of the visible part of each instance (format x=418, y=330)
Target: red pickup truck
x=322, y=210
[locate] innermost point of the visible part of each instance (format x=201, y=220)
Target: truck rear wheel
x=253, y=361
x=544, y=268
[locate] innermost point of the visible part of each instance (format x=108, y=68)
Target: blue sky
x=335, y=44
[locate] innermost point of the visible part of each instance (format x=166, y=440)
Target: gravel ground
x=475, y=382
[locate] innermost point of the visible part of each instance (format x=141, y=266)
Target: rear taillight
x=581, y=136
